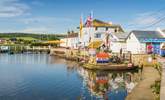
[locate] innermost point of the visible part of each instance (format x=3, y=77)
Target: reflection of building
x=101, y=84
x=2, y=41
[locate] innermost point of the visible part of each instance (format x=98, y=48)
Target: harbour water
x=44, y=77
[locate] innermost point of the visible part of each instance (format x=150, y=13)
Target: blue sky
x=58, y=16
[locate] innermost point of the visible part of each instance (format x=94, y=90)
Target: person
x=71, y=53
x=141, y=68
x=149, y=49
x=121, y=52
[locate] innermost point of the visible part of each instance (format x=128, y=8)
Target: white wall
x=143, y=48
x=64, y=44
x=70, y=42
x=133, y=44
x=91, y=31
x=116, y=46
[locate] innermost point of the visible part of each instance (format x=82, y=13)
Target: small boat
x=112, y=66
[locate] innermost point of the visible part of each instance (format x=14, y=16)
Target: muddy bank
x=143, y=90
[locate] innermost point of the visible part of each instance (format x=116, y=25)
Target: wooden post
x=130, y=58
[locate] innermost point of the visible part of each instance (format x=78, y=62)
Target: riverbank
x=143, y=89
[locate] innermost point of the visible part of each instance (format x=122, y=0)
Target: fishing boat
x=105, y=61
x=110, y=66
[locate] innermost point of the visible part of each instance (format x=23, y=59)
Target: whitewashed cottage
x=138, y=41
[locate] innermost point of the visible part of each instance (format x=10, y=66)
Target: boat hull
x=114, y=67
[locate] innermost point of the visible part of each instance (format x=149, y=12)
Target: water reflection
x=24, y=58
x=44, y=77
x=109, y=85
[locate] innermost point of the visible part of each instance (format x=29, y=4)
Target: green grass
x=24, y=38
x=11, y=45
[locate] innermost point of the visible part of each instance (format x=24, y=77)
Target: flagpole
x=83, y=42
x=92, y=26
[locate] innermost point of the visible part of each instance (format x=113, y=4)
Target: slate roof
x=71, y=35
x=122, y=36
x=147, y=34
x=141, y=35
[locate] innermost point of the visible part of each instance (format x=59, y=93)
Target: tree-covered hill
x=32, y=36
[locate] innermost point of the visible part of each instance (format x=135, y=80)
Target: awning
x=95, y=44
x=55, y=42
x=102, y=55
x=158, y=40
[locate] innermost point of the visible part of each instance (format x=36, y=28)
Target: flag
x=89, y=39
x=89, y=21
x=81, y=27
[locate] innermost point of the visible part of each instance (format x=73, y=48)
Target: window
x=129, y=37
x=115, y=30
x=96, y=28
x=106, y=28
x=98, y=35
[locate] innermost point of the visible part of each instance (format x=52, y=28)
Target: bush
x=156, y=89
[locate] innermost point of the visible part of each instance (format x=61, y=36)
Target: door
x=156, y=48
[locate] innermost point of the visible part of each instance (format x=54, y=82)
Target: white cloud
x=36, y=30
x=12, y=8
x=37, y=3
x=43, y=20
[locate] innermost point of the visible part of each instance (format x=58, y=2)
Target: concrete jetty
x=162, y=90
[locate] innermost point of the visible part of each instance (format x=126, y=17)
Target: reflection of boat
x=109, y=66
x=108, y=84
x=11, y=53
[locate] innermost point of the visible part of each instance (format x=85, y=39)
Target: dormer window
x=129, y=37
x=98, y=35
x=96, y=28
x=115, y=30
x=106, y=28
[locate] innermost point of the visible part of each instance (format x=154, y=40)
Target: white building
x=99, y=32
x=119, y=42
x=138, y=41
x=70, y=41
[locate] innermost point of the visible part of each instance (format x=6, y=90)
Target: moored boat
x=116, y=67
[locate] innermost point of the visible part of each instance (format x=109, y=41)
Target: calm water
x=42, y=77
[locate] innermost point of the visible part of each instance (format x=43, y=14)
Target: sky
x=59, y=16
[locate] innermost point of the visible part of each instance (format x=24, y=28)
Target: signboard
x=92, y=51
x=153, y=40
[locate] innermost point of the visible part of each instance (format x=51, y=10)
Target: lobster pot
x=102, y=58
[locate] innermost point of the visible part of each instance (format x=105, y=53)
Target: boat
x=110, y=66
